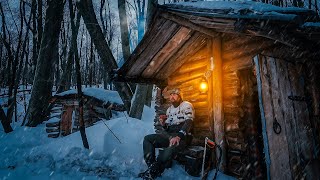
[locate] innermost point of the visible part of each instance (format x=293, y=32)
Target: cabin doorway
x=250, y=124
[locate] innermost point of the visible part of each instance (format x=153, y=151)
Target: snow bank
x=27, y=153
x=99, y=93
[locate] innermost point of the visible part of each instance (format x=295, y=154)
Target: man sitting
x=177, y=124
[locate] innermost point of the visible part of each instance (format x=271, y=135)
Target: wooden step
x=50, y=130
x=53, y=135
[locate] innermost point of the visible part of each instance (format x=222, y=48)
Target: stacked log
x=53, y=123
x=233, y=115
x=67, y=120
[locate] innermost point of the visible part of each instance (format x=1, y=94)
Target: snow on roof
x=238, y=6
x=311, y=25
x=232, y=8
x=99, y=93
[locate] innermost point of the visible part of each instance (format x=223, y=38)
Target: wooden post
x=218, y=120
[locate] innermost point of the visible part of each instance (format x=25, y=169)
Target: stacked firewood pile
x=66, y=114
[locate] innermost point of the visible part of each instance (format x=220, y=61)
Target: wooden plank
x=231, y=119
x=50, y=130
x=200, y=104
x=237, y=64
x=214, y=25
x=188, y=67
x=66, y=120
x=301, y=112
x=234, y=102
x=217, y=100
x=288, y=116
x=167, y=51
x=176, y=79
x=199, y=56
x=263, y=119
x=185, y=22
x=54, y=135
x=191, y=82
x=280, y=164
x=247, y=50
x=211, y=19
x=143, y=45
x=239, y=42
x=231, y=92
x=193, y=45
x=169, y=29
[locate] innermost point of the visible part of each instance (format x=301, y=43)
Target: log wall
x=188, y=78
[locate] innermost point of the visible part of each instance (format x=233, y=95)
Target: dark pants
x=153, y=141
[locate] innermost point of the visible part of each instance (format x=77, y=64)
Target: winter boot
x=155, y=170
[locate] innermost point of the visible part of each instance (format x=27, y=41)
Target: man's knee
x=149, y=138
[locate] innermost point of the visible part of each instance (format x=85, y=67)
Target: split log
x=165, y=53
x=189, y=67
x=53, y=124
x=192, y=46
x=162, y=38
x=186, y=77
x=232, y=119
x=237, y=64
x=54, y=135
x=185, y=22
x=50, y=130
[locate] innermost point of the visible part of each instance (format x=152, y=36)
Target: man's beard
x=176, y=103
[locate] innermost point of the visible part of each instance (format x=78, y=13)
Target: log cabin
x=260, y=64
x=97, y=104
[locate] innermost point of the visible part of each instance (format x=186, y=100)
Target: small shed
x=260, y=64
x=97, y=103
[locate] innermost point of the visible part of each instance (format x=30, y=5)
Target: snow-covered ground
x=27, y=153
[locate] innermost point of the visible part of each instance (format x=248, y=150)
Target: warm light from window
x=203, y=86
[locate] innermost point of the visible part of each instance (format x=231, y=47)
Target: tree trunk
x=149, y=95
x=143, y=93
x=152, y=4
x=11, y=67
x=150, y=13
x=91, y=65
x=86, y=10
x=42, y=84
x=39, y=22
x=138, y=101
x=66, y=77
x=4, y=121
x=124, y=29
x=17, y=57
x=80, y=93
x=34, y=38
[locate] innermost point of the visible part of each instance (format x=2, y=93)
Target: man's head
x=175, y=96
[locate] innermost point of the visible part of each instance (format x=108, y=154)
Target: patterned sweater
x=180, y=119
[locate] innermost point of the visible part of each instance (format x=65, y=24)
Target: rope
x=104, y=112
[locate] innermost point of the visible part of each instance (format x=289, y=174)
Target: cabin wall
x=241, y=118
x=188, y=78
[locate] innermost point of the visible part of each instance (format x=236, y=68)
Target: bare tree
x=66, y=76
x=42, y=84
x=87, y=12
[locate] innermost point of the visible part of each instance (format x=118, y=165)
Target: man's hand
x=174, y=140
x=162, y=119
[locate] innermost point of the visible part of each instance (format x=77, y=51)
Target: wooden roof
x=180, y=30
